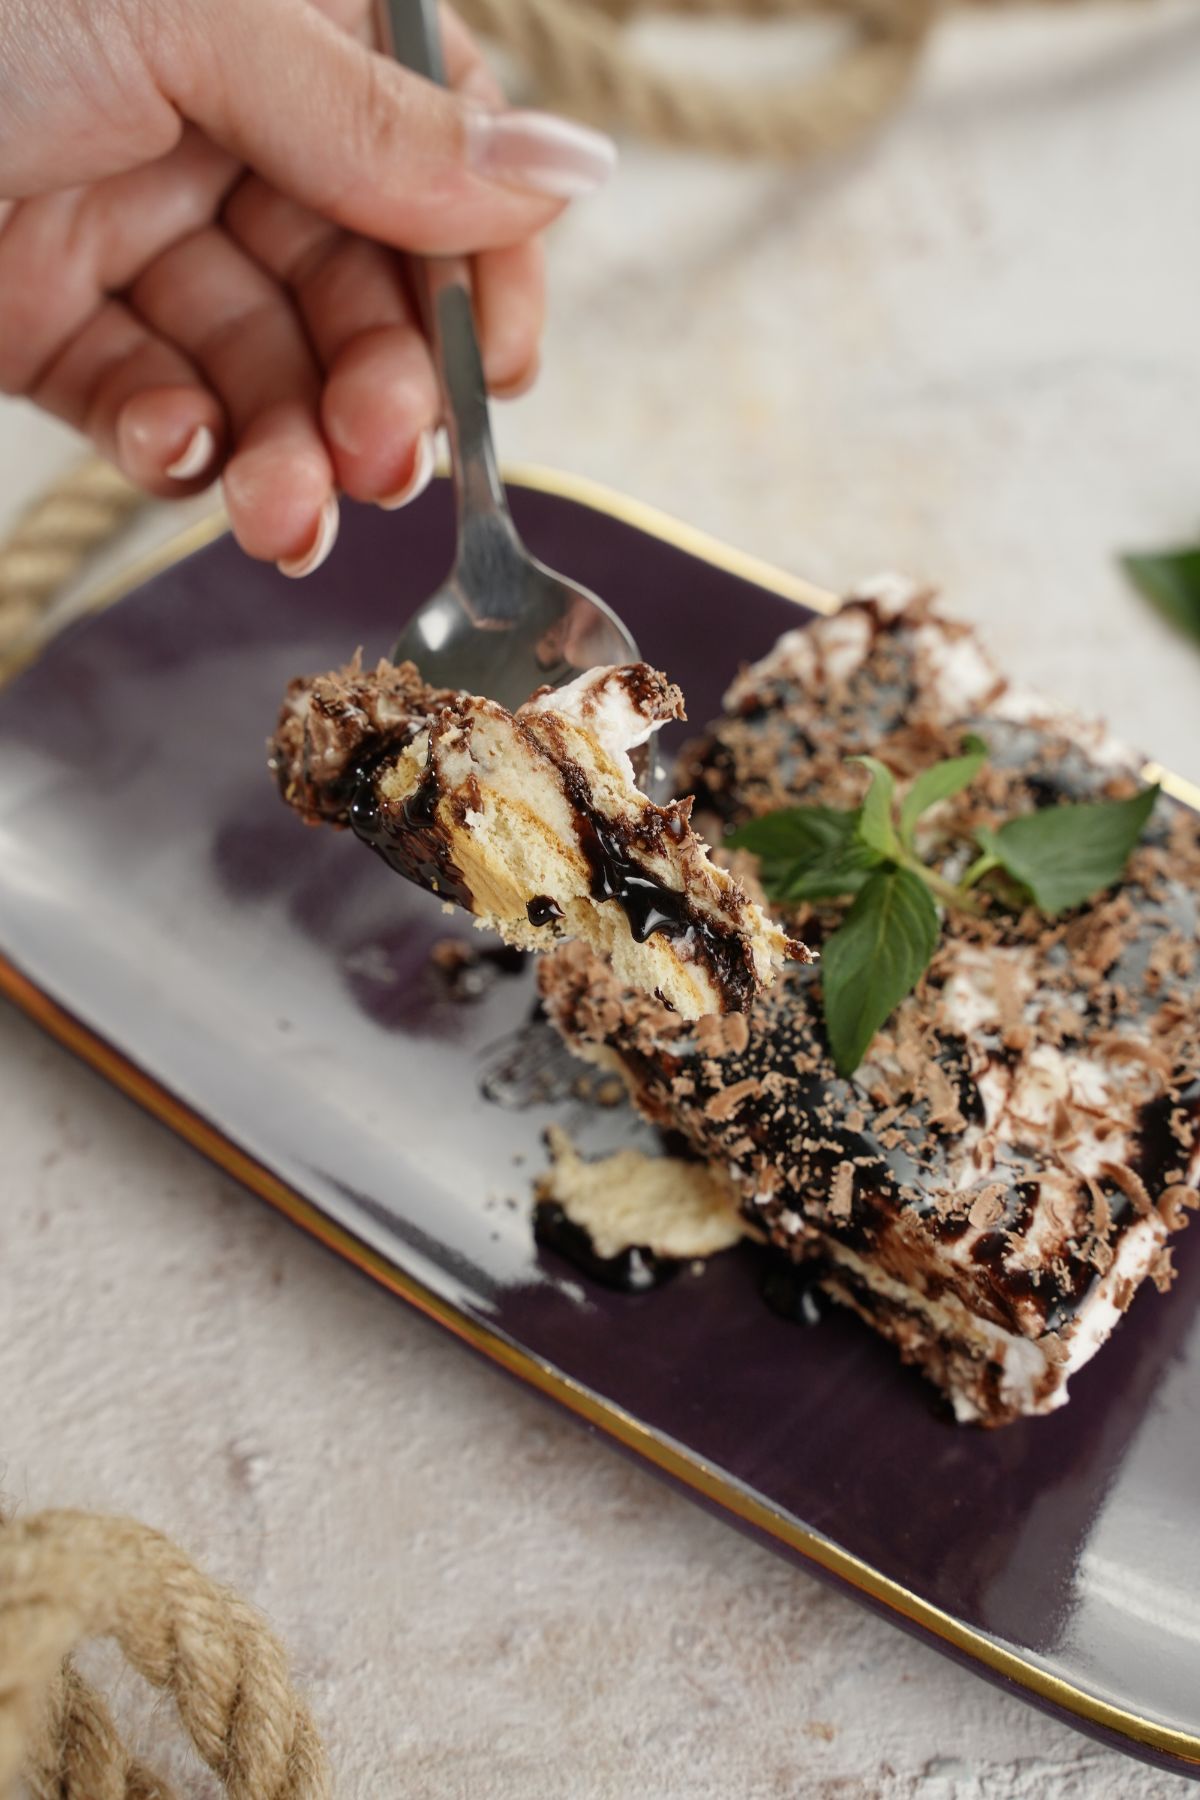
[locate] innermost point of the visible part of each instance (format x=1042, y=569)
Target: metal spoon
x=502, y=624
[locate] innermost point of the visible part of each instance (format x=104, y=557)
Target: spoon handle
x=408, y=30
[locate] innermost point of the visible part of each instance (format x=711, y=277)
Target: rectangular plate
x=268, y=993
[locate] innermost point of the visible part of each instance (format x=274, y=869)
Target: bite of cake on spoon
x=533, y=821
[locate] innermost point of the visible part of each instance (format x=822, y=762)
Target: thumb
x=365, y=142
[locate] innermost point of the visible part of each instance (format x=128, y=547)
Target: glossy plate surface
x=268, y=991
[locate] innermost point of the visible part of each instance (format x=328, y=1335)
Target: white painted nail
x=419, y=479
x=318, y=550
x=195, y=456
x=539, y=151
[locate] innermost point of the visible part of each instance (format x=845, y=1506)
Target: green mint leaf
x=1171, y=582
x=826, y=879
x=876, y=957
x=940, y=783
x=1063, y=855
x=875, y=818
x=806, y=852
x=795, y=833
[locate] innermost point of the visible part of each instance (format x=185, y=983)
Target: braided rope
x=580, y=58
x=76, y=1749
x=53, y=539
x=67, y=1576
x=577, y=54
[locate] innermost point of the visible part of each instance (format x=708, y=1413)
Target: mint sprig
x=941, y=782
x=1062, y=855
x=1056, y=858
x=809, y=853
x=1170, y=580
x=875, y=827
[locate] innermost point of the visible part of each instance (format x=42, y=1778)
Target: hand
x=200, y=205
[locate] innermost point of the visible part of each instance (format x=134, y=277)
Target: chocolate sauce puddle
x=635, y=1270
x=791, y=1291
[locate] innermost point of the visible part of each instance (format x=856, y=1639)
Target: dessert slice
x=1006, y=1166
x=533, y=821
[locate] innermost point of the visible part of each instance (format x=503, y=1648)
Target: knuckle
x=21, y=352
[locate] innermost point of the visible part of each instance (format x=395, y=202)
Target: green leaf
x=874, y=959
x=795, y=832
x=806, y=852
x=940, y=783
x=825, y=880
x=875, y=819
x=1171, y=581
x=1062, y=855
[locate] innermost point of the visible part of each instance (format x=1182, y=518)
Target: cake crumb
x=841, y=1200
x=725, y=1102
x=1130, y=1184
x=1163, y=1270
x=987, y=1208
x=681, y=1210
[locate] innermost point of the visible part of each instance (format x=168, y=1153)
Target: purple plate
x=268, y=992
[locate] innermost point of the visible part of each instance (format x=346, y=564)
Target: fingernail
x=318, y=550
x=520, y=384
x=539, y=151
x=419, y=478
x=195, y=456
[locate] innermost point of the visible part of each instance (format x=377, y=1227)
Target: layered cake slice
x=1004, y=1168
x=533, y=821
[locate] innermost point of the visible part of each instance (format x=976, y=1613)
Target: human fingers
x=139, y=399
x=510, y=310
x=398, y=158
x=380, y=398
x=63, y=254
x=235, y=323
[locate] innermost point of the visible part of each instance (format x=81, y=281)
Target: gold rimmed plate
x=269, y=993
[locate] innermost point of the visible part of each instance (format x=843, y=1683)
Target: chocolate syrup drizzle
x=649, y=906
x=542, y=910
x=408, y=836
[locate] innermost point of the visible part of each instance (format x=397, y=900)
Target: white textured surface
x=969, y=350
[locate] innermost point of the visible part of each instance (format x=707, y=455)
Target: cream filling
x=1023, y=1362
x=1103, y=1097
x=891, y=593
x=833, y=648
x=1025, y=706
x=599, y=702
x=955, y=669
